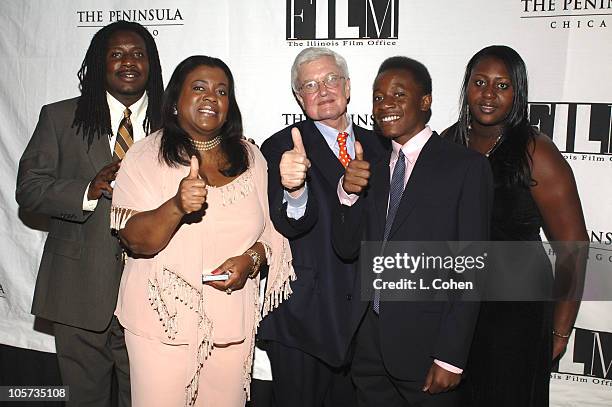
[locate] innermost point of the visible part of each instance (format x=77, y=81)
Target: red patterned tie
x=343, y=155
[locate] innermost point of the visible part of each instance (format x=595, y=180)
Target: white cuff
x=89, y=205
x=448, y=367
x=296, y=207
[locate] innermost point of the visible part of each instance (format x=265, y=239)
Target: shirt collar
x=412, y=148
x=331, y=135
x=137, y=108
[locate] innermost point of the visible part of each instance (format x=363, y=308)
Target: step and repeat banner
x=565, y=43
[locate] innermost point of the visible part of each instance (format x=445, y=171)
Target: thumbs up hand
x=191, y=194
x=357, y=173
x=294, y=164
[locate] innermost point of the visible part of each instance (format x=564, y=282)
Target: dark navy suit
x=447, y=198
x=315, y=319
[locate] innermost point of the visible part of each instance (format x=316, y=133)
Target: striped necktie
x=124, y=136
x=396, y=189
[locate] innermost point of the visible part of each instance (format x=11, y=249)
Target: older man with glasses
x=307, y=338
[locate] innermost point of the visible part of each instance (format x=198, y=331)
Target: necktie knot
x=401, y=156
x=343, y=155
x=127, y=113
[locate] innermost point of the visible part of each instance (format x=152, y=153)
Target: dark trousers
x=261, y=394
x=88, y=360
x=375, y=386
x=302, y=380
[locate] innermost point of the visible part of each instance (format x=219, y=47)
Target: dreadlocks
x=92, y=116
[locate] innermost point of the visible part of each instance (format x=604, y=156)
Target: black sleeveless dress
x=510, y=358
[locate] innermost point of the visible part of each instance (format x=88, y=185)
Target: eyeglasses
x=331, y=81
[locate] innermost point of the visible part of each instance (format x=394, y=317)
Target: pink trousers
x=160, y=372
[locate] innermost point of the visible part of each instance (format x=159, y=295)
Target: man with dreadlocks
x=66, y=172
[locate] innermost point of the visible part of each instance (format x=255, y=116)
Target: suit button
x=349, y=297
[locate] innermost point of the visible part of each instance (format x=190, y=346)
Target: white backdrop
x=566, y=45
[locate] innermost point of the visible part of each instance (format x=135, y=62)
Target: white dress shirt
x=139, y=112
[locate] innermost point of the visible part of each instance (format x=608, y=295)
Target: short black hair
x=92, y=116
x=176, y=146
x=419, y=72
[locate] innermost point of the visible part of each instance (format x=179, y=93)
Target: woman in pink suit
x=191, y=201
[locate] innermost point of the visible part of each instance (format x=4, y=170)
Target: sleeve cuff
x=344, y=197
x=448, y=367
x=296, y=207
x=298, y=202
x=89, y=205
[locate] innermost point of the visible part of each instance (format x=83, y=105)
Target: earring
x=468, y=126
x=174, y=111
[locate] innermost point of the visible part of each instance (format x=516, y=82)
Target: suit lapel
x=417, y=183
x=320, y=155
x=380, y=192
x=99, y=152
x=377, y=152
x=373, y=148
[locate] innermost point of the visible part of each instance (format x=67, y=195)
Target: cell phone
x=214, y=277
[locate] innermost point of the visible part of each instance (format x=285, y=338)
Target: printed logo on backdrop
x=581, y=131
x=601, y=237
x=153, y=18
x=563, y=15
x=588, y=359
x=324, y=23
x=365, y=120
x=2, y=292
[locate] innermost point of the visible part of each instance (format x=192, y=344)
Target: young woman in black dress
x=515, y=342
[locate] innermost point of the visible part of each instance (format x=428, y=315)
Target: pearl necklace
x=206, y=145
